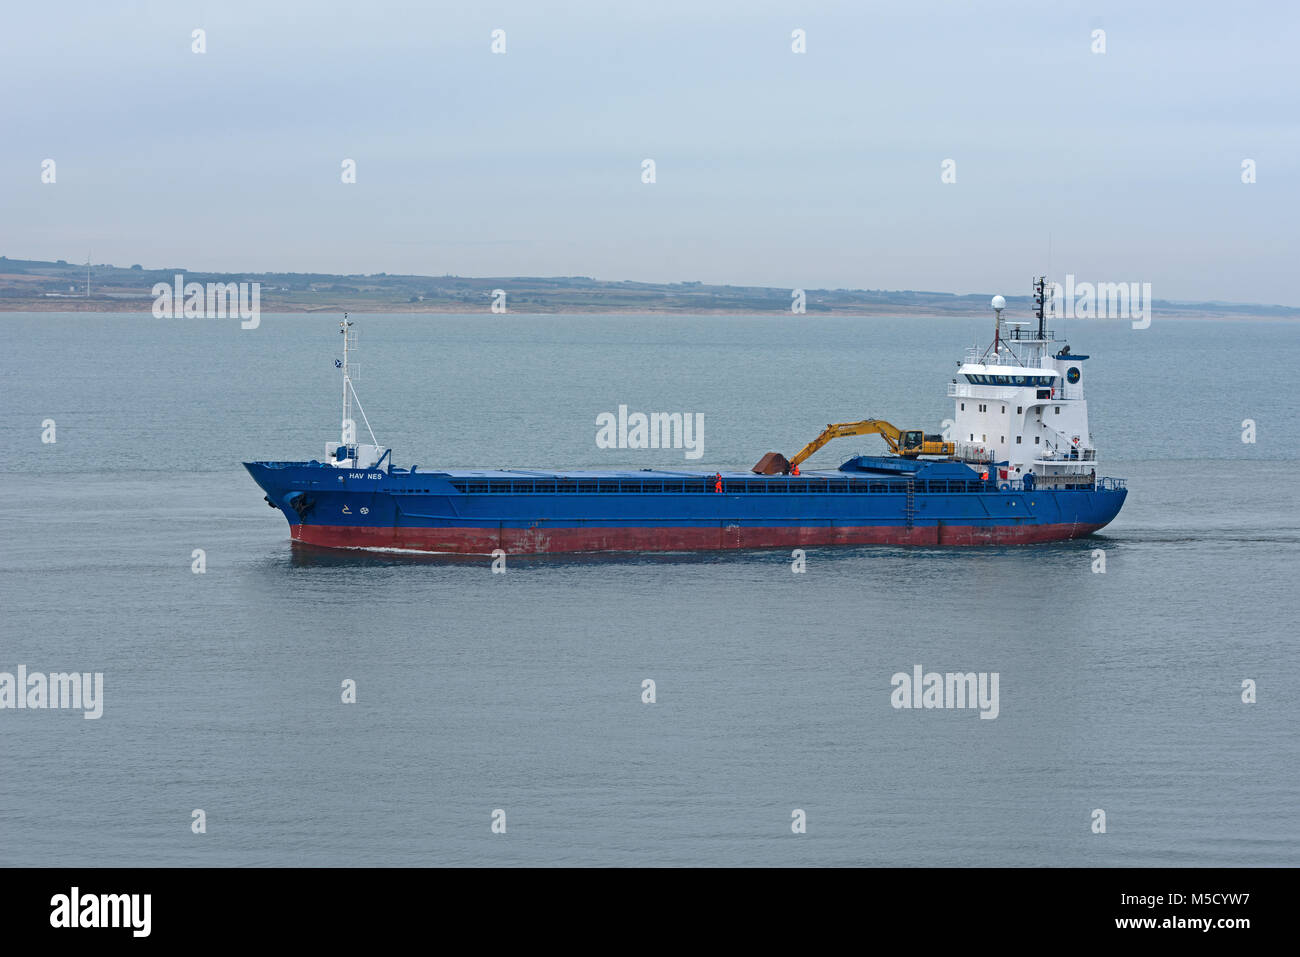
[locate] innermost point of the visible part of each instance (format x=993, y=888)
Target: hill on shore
x=36, y=286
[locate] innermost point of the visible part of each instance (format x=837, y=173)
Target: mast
x=998, y=305
x=1040, y=284
x=345, y=327
x=350, y=392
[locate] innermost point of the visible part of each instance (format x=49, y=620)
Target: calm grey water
x=1119, y=691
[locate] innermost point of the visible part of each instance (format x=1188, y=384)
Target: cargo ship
x=1016, y=466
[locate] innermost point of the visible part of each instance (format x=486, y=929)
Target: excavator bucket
x=773, y=463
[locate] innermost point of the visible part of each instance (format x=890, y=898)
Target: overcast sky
x=773, y=168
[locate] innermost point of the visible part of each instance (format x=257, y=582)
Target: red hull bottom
x=530, y=541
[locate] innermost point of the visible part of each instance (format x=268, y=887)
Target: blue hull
x=868, y=501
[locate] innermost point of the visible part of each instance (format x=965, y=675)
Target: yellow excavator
x=908, y=443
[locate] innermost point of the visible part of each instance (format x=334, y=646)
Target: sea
x=269, y=704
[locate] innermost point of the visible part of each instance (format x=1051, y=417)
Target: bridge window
x=1017, y=440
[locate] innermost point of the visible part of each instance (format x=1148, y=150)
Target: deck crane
x=908, y=443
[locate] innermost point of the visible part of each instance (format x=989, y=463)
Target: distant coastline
x=39, y=286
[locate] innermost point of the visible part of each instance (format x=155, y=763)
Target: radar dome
x=999, y=302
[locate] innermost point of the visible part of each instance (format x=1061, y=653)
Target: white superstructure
x=1020, y=402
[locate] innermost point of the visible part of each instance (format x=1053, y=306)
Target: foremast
x=349, y=343
x=347, y=453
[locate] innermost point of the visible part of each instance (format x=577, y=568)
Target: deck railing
x=803, y=485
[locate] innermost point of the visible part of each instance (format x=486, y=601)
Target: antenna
x=998, y=304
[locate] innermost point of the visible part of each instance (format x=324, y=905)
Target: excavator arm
x=909, y=443
x=840, y=430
